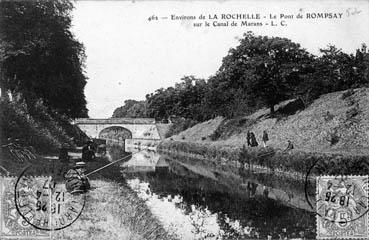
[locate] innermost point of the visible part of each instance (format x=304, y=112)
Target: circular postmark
x=339, y=200
x=45, y=204
x=342, y=199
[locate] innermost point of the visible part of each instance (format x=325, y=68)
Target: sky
x=129, y=56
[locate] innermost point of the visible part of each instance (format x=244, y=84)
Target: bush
x=328, y=116
x=34, y=126
x=352, y=112
x=179, y=125
x=231, y=127
x=215, y=135
x=347, y=94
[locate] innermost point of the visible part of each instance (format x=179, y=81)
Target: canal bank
x=296, y=164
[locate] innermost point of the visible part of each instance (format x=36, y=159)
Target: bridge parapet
x=114, y=121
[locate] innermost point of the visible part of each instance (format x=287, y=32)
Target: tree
x=41, y=57
x=182, y=100
x=334, y=71
x=265, y=68
x=131, y=109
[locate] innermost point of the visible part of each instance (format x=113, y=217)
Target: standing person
x=254, y=143
x=76, y=180
x=248, y=138
x=63, y=159
x=88, y=151
x=63, y=153
x=265, y=138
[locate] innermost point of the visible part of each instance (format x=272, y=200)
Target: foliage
x=261, y=68
x=334, y=71
x=131, y=109
x=231, y=127
x=40, y=56
x=179, y=125
x=16, y=122
x=183, y=100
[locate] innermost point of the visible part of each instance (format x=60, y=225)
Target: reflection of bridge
x=145, y=161
x=135, y=128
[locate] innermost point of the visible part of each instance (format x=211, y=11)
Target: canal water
x=194, y=202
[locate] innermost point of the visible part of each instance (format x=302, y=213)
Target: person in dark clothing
x=75, y=179
x=63, y=153
x=254, y=143
x=248, y=138
x=289, y=146
x=265, y=138
x=101, y=149
x=253, y=188
x=88, y=151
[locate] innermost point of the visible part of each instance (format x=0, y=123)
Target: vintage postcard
x=194, y=120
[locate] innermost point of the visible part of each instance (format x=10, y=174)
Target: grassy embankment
x=331, y=132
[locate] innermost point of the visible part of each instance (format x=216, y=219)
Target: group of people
x=252, y=142
x=88, y=152
x=251, y=139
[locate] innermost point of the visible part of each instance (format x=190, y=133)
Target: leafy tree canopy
x=40, y=56
x=131, y=109
x=265, y=69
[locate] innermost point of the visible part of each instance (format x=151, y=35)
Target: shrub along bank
x=289, y=162
x=35, y=126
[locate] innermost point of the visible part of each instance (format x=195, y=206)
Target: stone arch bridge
x=135, y=128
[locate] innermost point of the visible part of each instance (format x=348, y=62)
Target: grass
x=114, y=212
x=199, y=132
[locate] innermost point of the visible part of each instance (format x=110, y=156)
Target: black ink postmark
x=46, y=205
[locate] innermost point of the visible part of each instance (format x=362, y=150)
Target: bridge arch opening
x=115, y=135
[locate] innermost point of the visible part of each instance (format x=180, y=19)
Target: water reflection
x=197, y=204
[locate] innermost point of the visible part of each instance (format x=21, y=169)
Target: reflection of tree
x=233, y=178
x=265, y=216
x=198, y=220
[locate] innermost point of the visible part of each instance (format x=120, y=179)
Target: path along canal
x=198, y=200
